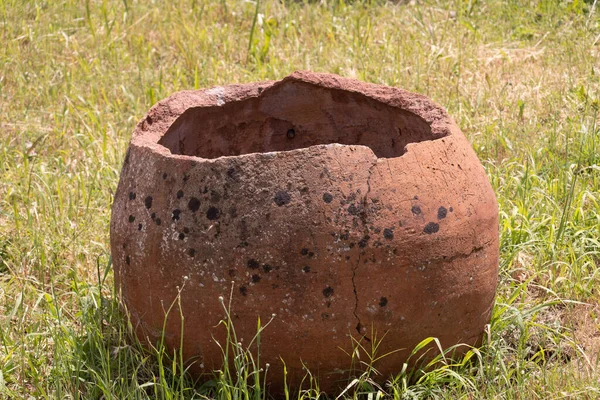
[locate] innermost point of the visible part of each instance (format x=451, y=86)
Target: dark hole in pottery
x=383, y=302
x=267, y=268
x=308, y=114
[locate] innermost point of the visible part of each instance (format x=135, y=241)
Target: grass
x=522, y=79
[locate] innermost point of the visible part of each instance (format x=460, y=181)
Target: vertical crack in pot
x=358, y=326
x=363, y=218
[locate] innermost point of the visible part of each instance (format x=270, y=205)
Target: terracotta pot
x=343, y=208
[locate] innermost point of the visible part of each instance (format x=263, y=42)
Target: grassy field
x=522, y=79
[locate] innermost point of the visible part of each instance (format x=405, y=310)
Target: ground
x=520, y=78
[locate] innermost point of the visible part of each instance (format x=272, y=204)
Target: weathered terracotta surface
x=344, y=208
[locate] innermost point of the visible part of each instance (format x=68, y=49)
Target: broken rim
x=301, y=111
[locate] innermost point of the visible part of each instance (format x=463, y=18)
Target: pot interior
x=294, y=115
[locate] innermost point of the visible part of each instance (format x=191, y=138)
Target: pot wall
x=331, y=239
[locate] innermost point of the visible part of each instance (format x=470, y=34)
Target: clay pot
x=343, y=208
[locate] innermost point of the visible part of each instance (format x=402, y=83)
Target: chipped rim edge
x=164, y=113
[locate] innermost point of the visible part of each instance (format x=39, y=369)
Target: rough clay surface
x=346, y=209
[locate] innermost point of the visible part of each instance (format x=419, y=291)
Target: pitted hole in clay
x=213, y=213
x=295, y=115
x=383, y=302
x=268, y=268
x=194, y=204
x=364, y=241
x=327, y=197
x=442, y=212
x=388, y=233
x=282, y=198
x=432, y=227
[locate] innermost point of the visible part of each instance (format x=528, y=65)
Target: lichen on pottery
x=346, y=209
